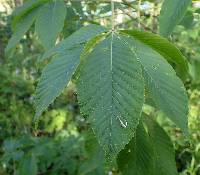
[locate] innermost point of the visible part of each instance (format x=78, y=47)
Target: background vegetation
x=57, y=143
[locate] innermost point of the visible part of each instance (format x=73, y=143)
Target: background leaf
x=28, y=165
x=95, y=161
x=137, y=157
x=27, y=7
x=171, y=14
x=188, y=20
x=21, y=28
x=50, y=22
x=163, y=151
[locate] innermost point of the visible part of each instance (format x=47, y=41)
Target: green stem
x=139, y=15
x=113, y=15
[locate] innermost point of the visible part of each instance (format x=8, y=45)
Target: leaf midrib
x=111, y=69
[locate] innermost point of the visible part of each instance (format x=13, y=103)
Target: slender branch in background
x=153, y=16
x=17, y=3
x=129, y=4
x=108, y=2
x=107, y=16
x=137, y=9
x=139, y=15
x=133, y=19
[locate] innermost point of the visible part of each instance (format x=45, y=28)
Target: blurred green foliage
x=59, y=143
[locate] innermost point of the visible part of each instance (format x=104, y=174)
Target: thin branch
x=113, y=15
x=133, y=18
x=139, y=14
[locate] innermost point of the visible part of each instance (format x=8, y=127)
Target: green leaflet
x=137, y=157
x=95, y=161
x=59, y=71
x=25, y=9
x=163, y=151
x=55, y=77
x=50, y=22
x=110, y=92
x=166, y=89
x=91, y=44
x=149, y=152
x=21, y=28
x=79, y=37
x=161, y=45
x=30, y=9
x=195, y=70
x=188, y=20
x=171, y=14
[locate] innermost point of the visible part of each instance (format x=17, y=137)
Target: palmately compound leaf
x=163, y=151
x=137, y=157
x=169, y=51
x=27, y=7
x=50, y=22
x=166, y=89
x=21, y=28
x=171, y=14
x=58, y=72
x=111, y=93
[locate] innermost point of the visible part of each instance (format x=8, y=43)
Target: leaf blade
x=150, y=152
x=171, y=14
x=137, y=157
x=164, y=155
x=68, y=51
x=54, y=78
x=22, y=27
x=166, y=89
x=169, y=51
x=28, y=164
x=113, y=113
x=50, y=22
x=79, y=37
x=23, y=10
